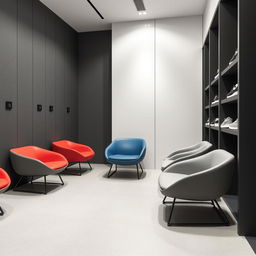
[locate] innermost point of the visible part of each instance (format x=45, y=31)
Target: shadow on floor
x=195, y=214
x=125, y=174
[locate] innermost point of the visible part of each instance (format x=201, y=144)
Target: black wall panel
x=60, y=81
x=25, y=73
x=36, y=50
x=8, y=78
x=50, y=77
x=39, y=90
x=95, y=91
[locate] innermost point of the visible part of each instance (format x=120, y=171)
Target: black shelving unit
x=232, y=29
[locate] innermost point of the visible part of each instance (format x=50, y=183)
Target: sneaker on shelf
x=234, y=57
x=233, y=92
x=227, y=121
x=215, y=100
x=207, y=122
x=217, y=74
x=216, y=122
x=234, y=125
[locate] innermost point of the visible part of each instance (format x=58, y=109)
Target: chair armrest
x=143, y=152
x=26, y=166
x=183, y=150
x=208, y=184
x=189, y=166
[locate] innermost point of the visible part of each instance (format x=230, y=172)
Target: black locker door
x=39, y=106
x=60, y=81
x=8, y=79
x=50, y=78
x=25, y=76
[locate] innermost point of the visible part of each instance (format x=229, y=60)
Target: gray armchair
x=204, y=178
x=186, y=153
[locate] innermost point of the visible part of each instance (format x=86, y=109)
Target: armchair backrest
x=131, y=146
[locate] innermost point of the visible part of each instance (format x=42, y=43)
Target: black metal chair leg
x=90, y=165
x=221, y=213
x=17, y=184
x=45, y=191
x=109, y=172
x=1, y=211
x=80, y=169
x=141, y=168
x=173, y=204
x=164, y=200
x=31, y=181
x=62, y=182
x=138, y=175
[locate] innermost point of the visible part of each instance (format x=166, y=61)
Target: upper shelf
x=230, y=69
x=215, y=81
x=233, y=99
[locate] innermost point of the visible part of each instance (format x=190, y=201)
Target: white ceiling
x=80, y=15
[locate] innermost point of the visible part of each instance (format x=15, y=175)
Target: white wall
x=178, y=84
x=156, y=83
x=133, y=83
x=210, y=8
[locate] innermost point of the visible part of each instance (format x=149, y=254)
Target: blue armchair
x=126, y=152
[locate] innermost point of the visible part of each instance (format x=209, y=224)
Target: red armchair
x=5, y=183
x=74, y=152
x=33, y=161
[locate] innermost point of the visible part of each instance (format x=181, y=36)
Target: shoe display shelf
x=231, y=31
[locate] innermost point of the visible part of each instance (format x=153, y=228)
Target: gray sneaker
x=234, y=125
x=227, y=122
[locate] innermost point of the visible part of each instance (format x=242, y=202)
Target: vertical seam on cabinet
x=155, y=94
x=33, y=72
x=17, y=73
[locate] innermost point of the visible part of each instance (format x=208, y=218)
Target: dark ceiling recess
x=95, y=9
x=139, y=5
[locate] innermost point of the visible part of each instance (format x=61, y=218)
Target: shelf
x=215, y=81
x=215, y=105
x=230, y=69
x=229, y=131
x=207, y=107
x=233, y=99
x=215, y=128
x=206, y=126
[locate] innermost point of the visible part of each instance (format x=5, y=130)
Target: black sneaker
x=233, y=92
x=234, y=57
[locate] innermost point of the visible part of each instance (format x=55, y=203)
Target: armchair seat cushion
x=55, y=165
x=74, y=152
x=124, y=158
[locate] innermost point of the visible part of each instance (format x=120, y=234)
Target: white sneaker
x=217, y=75
x=233, y=92
x=234, y=57
x=227, y=122
x=216, y=122
x=234, y=125
x=216, y=99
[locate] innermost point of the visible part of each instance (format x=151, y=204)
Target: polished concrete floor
x=121, y=216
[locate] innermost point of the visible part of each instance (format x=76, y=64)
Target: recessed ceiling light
x=142, y=13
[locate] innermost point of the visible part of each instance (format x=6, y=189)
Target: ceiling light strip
x=139, y=5
x=95, y=9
